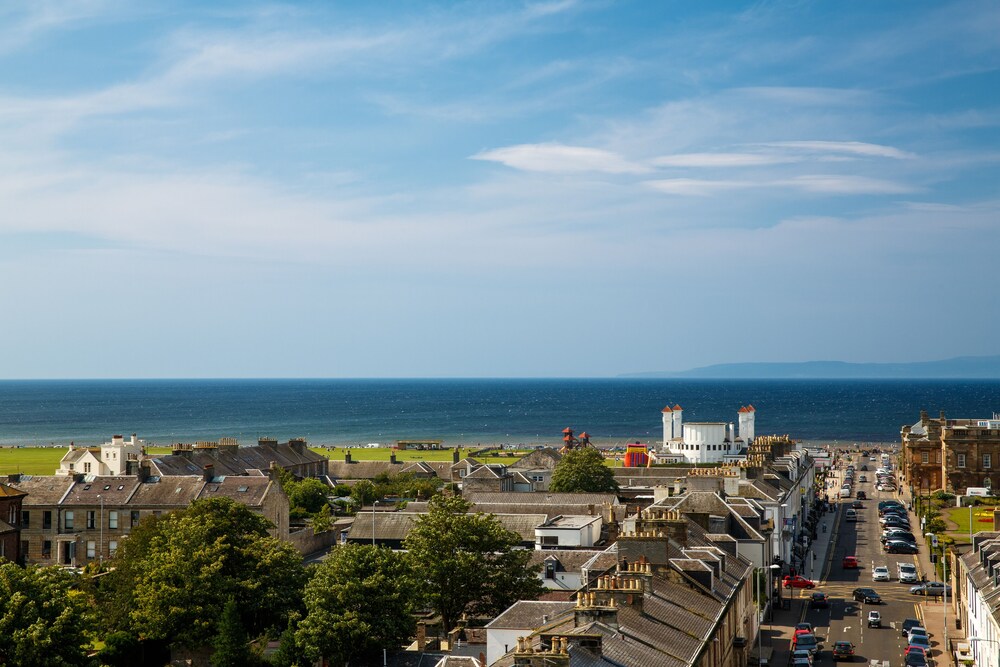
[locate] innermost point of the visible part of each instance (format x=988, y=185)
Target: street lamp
x=944, y=571
x=972, y=641
x=374, y=505
x=770, y=601
x=100, y=543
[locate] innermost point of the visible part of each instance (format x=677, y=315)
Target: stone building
x=11, y=500
x=951, y=454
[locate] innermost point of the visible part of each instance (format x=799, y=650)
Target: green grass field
x=982, y=519
x=45, y=460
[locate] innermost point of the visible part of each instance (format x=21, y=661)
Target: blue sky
x=564, y=188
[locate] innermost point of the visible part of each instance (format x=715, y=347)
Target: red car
x=851, y=563
x=798, y=582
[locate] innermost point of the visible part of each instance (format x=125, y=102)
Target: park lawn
x=960, y=516
x=30, y=460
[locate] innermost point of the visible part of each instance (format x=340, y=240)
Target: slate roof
x=362, y=469
x=112, y=490
x=167, y=491
x=540, y=497
x=539, y=459
x=234, y=460
x=529, y=614
x=250, y=491
x=569, y=560
x=397, y=525
x=43, y=489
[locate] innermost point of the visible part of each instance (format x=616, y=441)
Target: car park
x=867, y=595
x=909, y=624
x=850, y=563
x=843, y=651
x=798, y=581
x=880, y=573
x=874, y=619
x=907, y=573
x=931, y=588
x=819, y=601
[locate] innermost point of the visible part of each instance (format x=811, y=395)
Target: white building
x=705, y=442
x=111, y=458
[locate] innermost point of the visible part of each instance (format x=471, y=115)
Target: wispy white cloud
x=850, y=147
x=23, y=23
x=821, y=184
x=722, y=159
x=559, y=158
x=695, y=187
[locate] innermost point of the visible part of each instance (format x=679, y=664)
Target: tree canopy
x=582, y=471
x=173, y=574
x=358, y=601
x=44, y=618
x=467, y=563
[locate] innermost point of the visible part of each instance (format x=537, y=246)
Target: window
x=47, y=549
x=925, y=457
x=24, y=548
x=91, y=520
x=68, y=520
x=112, y=547
x=987, y=460
x=86, y=467
x=91, y=549
x=961, y=460
x=46, y=520
x=135, y=518
x=113, y=519
x=25, y=518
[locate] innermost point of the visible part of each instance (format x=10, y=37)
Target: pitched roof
x=542, y=497
x=247, y=490
x=43, y=489
x=174, y=491
x=568, y=560
x=397, y=525
x=112, y=490
x=529, y=614
x=10, y=492
x=362, y=469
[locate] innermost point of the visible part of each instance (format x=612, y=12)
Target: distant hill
x=981, y=368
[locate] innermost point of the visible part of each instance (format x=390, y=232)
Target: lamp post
x=972, y=641
x=374, y=505
x=770, y=595
x=100, y=543
x=944, y=572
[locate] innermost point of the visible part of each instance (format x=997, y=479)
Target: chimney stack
x=208, y=472
x=454, y=456
x=347, y=456
x=677, y=528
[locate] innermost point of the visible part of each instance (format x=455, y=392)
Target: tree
x=45, y=619
x=358, y=602
x=466, y=563
x=231, y=649
x=583, y=471
x=309, y=494
x=363, y=493
x=171, y=575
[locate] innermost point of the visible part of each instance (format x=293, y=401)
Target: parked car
x=807, y=642
x=850, y=563
x=909, y=624
x=931, y=588
x=880, y=573
x=798, y=581
x=915, y=659
x=898, y=534
x=801, y=654
x=916, y=632
x=874, y=619
x=819, y=601
x=803, y=627
x=917, y=648
x=900, y=547
x=907, y=573
x=843, y=651
x=867, y=595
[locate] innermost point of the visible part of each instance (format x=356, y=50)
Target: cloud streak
x=560, y=159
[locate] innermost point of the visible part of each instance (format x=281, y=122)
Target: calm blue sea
x=468, y=411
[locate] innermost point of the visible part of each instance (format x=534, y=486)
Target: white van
x=845, y=492
x=978, y=491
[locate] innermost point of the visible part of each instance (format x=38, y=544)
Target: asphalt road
x=846, y=619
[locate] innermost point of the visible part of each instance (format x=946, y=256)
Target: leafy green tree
x=170, y=575
x=45, y=619
x=363, y=493
x=289, y=652
x=467, y=563
x=583, y=471
x=358, y=602
x=309, y=494
x=231, y=648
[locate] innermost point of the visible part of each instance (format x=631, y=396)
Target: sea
x=511, y=412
